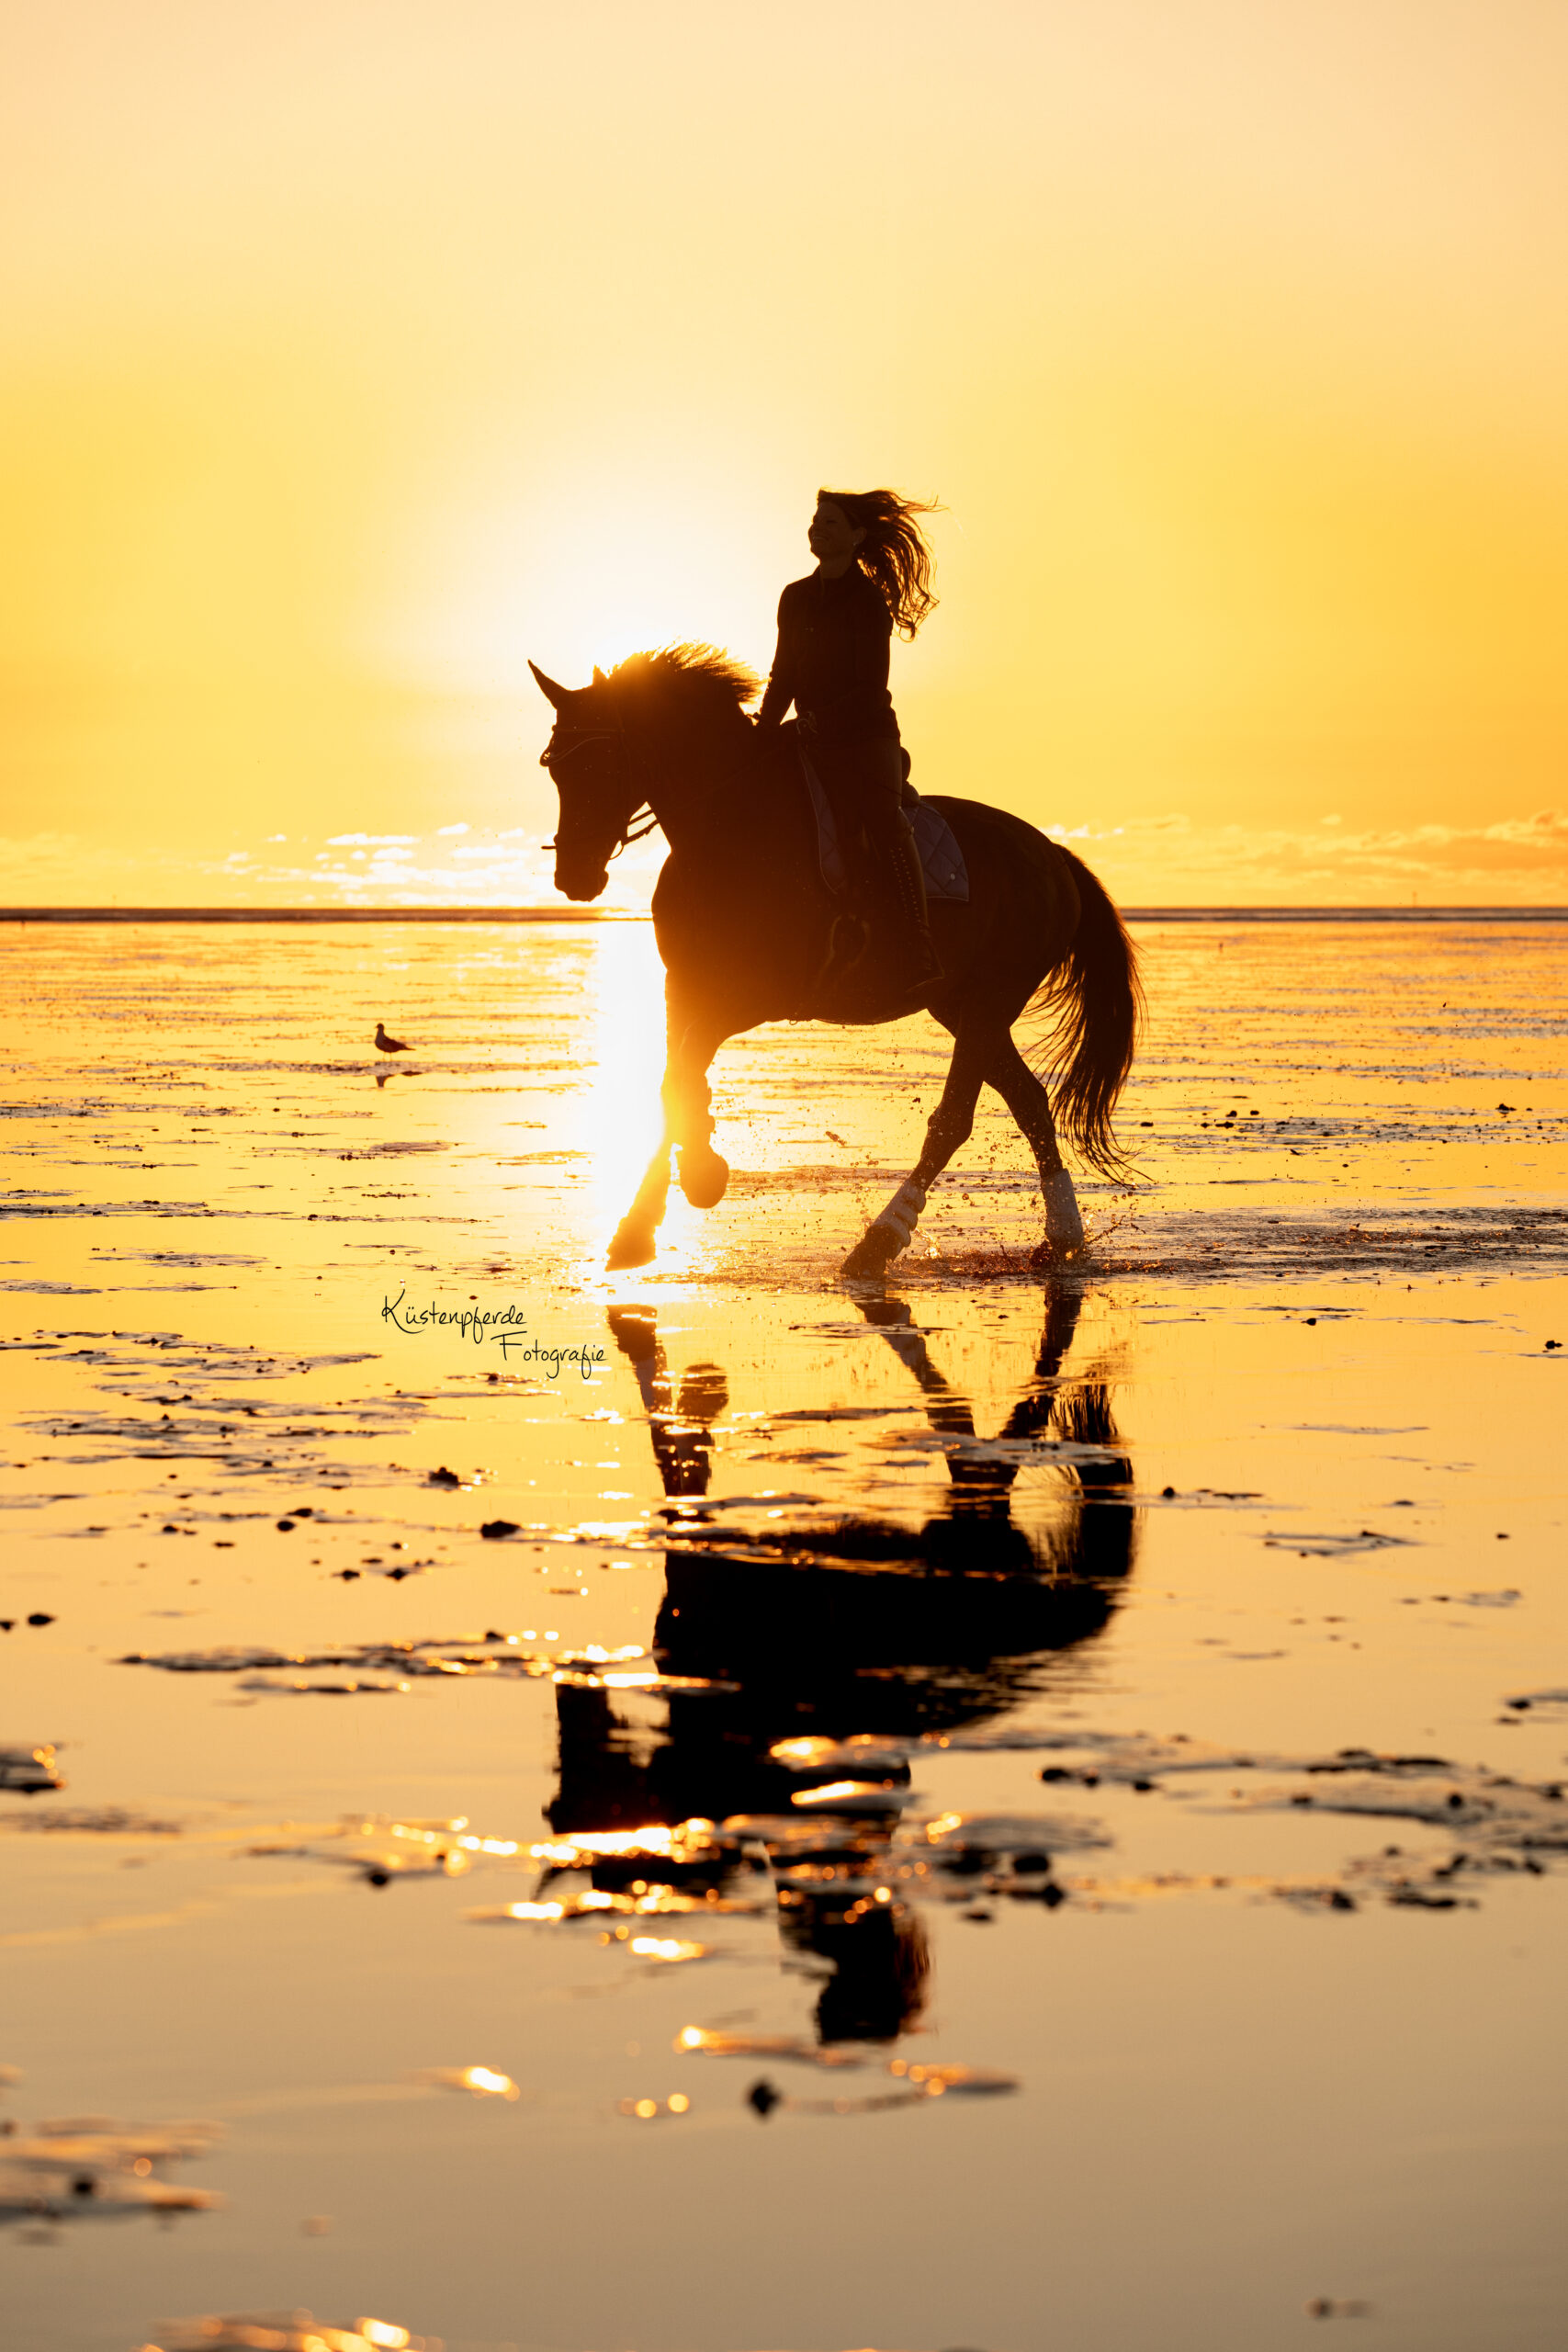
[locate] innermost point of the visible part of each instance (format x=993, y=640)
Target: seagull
x=388, y=1044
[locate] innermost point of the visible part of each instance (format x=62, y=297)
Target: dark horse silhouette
x=745, y=926
x=855, y=1630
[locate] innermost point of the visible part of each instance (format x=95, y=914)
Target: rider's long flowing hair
x=893, y=551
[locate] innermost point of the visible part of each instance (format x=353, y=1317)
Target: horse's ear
x=599, y=677
x=555, y=695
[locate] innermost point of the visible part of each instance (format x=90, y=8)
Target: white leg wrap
x=1063, y=1226
x=903, y=1212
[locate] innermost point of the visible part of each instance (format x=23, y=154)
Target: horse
x=747, y=930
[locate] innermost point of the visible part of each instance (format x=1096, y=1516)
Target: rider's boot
x=916, y=963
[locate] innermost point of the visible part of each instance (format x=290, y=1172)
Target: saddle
x=947, y=875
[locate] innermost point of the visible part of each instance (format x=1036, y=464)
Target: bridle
x=642, y=818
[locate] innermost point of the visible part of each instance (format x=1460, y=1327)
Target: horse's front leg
x=949, y=1126
x=633, y=1240
x=688, y=1113
x=688, y=1125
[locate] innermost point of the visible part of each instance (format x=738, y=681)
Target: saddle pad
x=947, y=877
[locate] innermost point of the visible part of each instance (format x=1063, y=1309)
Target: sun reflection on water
x=622, y=1117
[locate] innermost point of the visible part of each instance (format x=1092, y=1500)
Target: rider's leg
x=894, y=853
x=841, y=771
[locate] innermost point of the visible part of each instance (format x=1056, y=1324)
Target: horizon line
x=1489, y=913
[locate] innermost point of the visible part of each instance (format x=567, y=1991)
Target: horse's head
x=587, y=758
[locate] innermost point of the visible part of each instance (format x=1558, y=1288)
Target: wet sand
x=983, y=1813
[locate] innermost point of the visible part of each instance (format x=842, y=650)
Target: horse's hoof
x=632, y=1246
x=1049, y=1257
x=1063, y=1226
x=873, y=1254
x=703, y=1176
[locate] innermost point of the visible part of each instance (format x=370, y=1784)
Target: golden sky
x=355, y=351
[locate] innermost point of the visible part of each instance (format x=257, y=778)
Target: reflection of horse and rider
x=751, y=929
x=853, y=1628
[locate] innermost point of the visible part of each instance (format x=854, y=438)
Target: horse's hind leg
x=1031, y=1105
x=948, y=1127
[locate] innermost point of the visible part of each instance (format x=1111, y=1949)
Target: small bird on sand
x=388, y=1044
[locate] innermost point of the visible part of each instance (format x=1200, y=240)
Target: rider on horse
x=872, y=573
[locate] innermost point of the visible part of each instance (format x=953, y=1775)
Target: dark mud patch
x=82, y=2167
x=1487, y=1823
x=54, y=1290
x=192, y=1260
x=1321, y=1547
x=1551, y=1705
x=487, y=1656
x=1190, y=1246
x=392, y=1150
x=1221, y=1247
x=301, y=1686
x=910, y=2085
x=215, y=1402
x=26, y=1770
x=91, y=1821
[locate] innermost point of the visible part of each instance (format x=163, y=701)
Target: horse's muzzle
x=581, y=882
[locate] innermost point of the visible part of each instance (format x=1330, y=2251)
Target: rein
x=642, y=818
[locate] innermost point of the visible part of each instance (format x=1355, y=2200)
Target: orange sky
x=355, y=351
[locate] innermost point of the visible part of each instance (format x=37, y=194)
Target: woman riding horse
x=744, y=923
x=873, y=574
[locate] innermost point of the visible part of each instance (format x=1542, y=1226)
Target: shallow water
x=985, y=1813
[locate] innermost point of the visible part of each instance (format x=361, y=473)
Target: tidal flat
x=718, y=1809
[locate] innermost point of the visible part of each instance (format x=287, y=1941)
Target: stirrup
x=847, y=941
x=847, y=944
x=919, y=965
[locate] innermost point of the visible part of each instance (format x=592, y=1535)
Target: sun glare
x=623, y=1118
x=617, y=568
x=644, y=594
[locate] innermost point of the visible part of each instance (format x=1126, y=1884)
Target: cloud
x=1164, y=860
x=1169, y=858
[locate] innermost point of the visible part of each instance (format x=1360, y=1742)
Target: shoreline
x=1485, y=914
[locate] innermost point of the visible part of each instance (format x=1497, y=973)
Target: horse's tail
x=1094, y=1005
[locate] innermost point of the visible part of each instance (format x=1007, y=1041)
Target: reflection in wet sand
x=807, y=1672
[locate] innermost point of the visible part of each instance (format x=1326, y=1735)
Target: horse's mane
x=688, y=681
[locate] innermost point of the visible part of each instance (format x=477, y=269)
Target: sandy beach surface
x=717, y=1809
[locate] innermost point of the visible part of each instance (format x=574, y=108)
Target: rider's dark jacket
x=831, y=660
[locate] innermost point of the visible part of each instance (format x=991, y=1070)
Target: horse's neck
x=698, y=784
